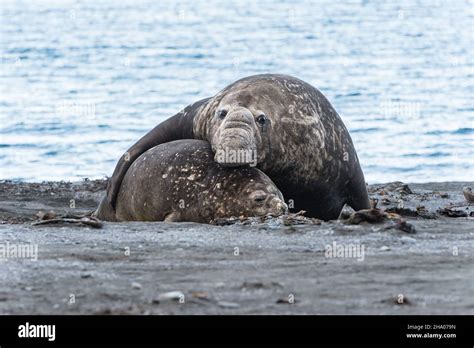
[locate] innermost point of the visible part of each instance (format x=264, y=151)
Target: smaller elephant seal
x=180, y=181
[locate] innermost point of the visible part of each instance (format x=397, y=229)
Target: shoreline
x=236, y=269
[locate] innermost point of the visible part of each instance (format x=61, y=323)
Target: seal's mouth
x=277, y=207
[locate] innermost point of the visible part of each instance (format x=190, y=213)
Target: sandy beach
x=250, y=267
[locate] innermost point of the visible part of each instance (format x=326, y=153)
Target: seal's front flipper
x=359, y=198
x=180, y=126
x=172, y=217
x=105, y=211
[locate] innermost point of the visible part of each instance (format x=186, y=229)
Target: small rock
x=373, y=202
x=225, y=304
x=424, y=213
x=408, y=240
x=367, y=215
x=252, y=285
x=468, y=194
x=46, y=215
x=449, y=212
x=260, y=285
x=402, y=211
x=200, y=295
x=170, y=296
x=403, y=189
x=87, y=275
x=405, y=226
x=346, y=212
x=136, y=286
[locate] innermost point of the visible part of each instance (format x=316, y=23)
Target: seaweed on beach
x=420, y=211
x=375, y=216
x=82, y=220
x=451, y=212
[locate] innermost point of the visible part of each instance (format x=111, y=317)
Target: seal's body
x=282, y=124
x=179, y=181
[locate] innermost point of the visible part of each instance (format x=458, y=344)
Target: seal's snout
x=240, y=117
x=279, y=207
x=235, y=144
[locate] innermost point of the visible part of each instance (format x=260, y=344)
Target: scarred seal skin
x=279, y=123
x=179, y=181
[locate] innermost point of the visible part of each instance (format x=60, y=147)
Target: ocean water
x=82, y=81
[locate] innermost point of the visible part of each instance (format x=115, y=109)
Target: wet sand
x=253, y=267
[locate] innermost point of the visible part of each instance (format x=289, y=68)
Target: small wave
x=370, y=129
x=465, y=109
x=18, y=145
x=463, y=131
x=45, y=51
x=38, y=128
x=51, y=153
x=410, y=169
x=111, y=141
x=352, y=94
x=422, y=155
x=459, y=131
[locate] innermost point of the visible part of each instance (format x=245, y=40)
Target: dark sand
x=275, y=263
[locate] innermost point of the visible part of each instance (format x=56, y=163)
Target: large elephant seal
x=282, y=124
x=179, y=181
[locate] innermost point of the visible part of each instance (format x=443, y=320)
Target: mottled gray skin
x=179, y=181
x=300, y=141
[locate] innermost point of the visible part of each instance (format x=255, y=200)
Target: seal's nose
x=239, y=117
x=279, y=206
x=283, y=207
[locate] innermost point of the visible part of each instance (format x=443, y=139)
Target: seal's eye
x=262, y=120
x=222, y=113
x=259, y=198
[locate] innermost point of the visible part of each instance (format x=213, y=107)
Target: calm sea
x=82, y=81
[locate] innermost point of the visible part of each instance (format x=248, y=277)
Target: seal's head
x=251, y=193
x=263, y=202
x=240, y=122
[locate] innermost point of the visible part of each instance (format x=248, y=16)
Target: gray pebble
x=408, y=240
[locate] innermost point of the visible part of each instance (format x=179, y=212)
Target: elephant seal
x=282, y=124
x=179, y=181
